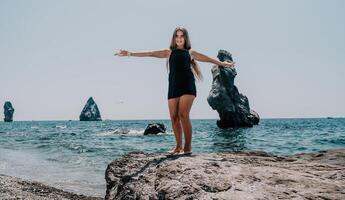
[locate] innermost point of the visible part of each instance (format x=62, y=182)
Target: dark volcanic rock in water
x=8, y=111
x=154, y=128
x=232, y=106
x=90, y=111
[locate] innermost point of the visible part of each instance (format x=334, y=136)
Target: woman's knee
x=183, y=116
x=175, y=118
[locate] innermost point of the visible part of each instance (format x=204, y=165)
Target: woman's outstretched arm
x=203, y=58
x=157, y=54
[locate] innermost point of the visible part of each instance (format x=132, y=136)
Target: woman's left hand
x=228, y=64
x=123, y=53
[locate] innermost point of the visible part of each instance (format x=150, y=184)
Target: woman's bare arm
x=203, y=58
x=157, y=54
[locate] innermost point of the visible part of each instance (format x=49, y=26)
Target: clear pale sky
x=56, y=54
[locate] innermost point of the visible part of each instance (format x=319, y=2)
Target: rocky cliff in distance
x=8, y=111
x=90, y=111
x=224, y=97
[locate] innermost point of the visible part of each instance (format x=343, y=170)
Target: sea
x=73, y=155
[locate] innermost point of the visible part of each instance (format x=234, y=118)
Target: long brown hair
x=187, y=45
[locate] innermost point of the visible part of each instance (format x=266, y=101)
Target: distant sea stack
x=90, y=111
x=232, y=106
x=8, y=111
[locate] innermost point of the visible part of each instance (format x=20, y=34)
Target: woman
x=182, y=91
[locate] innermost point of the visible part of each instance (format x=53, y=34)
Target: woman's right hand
x=123, y=53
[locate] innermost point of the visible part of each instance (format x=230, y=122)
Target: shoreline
x=17, y=188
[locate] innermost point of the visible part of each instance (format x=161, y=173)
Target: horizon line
x=323, y=117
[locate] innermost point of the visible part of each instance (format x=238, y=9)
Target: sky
x=54, y=55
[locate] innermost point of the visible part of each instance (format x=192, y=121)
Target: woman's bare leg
x=184, y=107
x=175, y=122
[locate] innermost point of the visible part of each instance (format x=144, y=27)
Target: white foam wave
x=61, y=126
x=130, y=132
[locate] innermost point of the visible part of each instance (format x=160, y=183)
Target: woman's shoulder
x=191, y=50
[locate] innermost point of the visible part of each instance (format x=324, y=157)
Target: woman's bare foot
x=187, y=150
x=175, y=150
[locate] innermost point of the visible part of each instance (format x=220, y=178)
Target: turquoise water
x=73, y=155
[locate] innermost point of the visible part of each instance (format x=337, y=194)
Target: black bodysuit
x=181, y=77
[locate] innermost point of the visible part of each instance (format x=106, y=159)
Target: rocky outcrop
x=8, y=111
x=90, y=111
x=224, y=97
x=154, y=129
x=246, y=175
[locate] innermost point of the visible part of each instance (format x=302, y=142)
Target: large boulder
x=90, y=111
x=8, y=111
x=224, y=97
x=154, y=129
x=227, y=176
